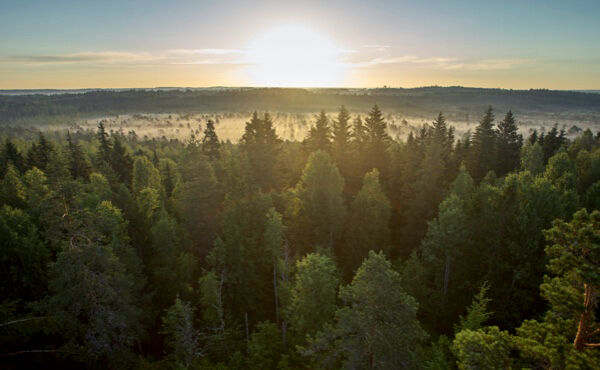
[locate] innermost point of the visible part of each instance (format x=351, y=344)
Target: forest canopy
x=349, y=249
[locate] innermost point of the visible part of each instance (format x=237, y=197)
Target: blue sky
x=511, y=44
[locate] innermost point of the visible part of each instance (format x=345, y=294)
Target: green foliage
x=487, y=348
x=93, y=302
x=265, y=347
x=182, y=340
x=313, y=295
x=532, y=158
x=367, y=227
x=145, y=175
x=23, y=256
x=377, y=326
x=321, y=206
x=210, y=142
x=477, y=313
x=483, y=156
x=509, y=145
x=319, y=136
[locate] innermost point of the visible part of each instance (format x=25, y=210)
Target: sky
x=118, y=44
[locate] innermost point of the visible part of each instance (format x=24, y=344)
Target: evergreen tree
x=509, y=145
x=145, y=175
x=10, y=155
x=377, y=328
x=483, y=156
x=532, y=158
x=105, y=148
x=78, y=165
x=378, y=141
x=121, y=161
x=262, y=146
x=342, y=136
x=368, y=223
x=39, y=154
x=312, y=303
x=319, y=136
x=13, y=191
x=210, y=142
x=321, y=211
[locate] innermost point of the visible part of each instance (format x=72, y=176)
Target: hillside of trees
x=455, y=102
x=347, y=250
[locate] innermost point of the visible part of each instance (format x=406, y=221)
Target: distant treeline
x=424, y=101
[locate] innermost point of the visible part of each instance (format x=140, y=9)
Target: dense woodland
x=458, y=103
x=347, y=250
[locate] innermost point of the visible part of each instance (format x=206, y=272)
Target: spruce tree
x=509, y=145
x=78, y=165
x=210, y=142
x=483, y=154
x=378, y=141
x=319, y=136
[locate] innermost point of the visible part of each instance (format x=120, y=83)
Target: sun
x=295, y=56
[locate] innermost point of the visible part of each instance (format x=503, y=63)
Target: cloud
x=369, y=56
x=487, y=64
x=205, y=51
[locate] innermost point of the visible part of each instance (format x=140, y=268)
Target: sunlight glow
x=295, y=56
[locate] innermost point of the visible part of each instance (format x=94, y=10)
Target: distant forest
x=426, y=101
x=349, y=249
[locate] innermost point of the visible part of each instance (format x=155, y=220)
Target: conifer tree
x=368, y=223
x=319, y=136
x=39, y=154
x=483, y=156
x=78, y=165
x=10, y=155
x=378, y=141
x=509, y=145
x=321, y=208
x=262, y=146
x=120, y=161
x=210, y=142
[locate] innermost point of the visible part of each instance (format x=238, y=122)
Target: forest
x=349, y=249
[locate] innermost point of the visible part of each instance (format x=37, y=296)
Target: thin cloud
x=487, y=64
x=205, y=51
x=108, y=57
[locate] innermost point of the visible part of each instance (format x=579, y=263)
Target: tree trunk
x=275, y=293
x=446, y=275
x=583, y=327
x=247, y=331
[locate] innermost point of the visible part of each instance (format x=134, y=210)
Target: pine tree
x=377, y=328
x=319, y=136
x=210, y=142
x=509, y=145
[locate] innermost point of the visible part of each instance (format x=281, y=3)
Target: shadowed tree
x=509, y=145
x=319, y=135
x=211, y=146
x=482, y=158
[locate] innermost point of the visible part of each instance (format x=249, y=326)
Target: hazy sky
x=509, y=44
